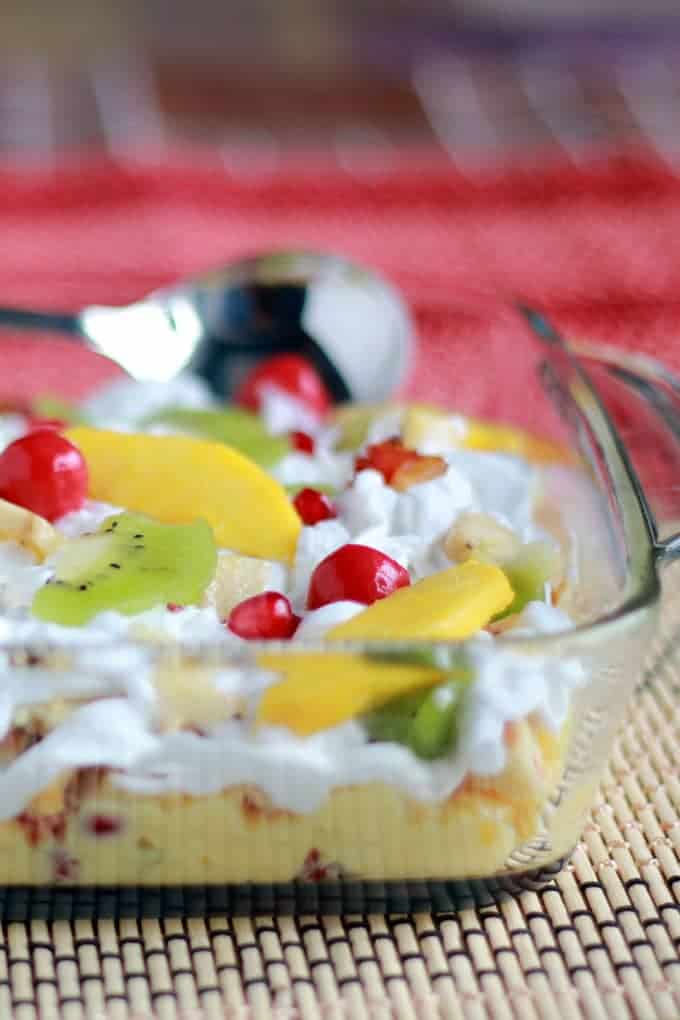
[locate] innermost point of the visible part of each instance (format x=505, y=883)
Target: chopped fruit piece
x=178, y=478
x=386, y=457
x=354, y=420
x=356, y=573
x=400, y=467
x=130, y=564
x=45, y=473
x=233, y=426
x=174, y=607
x=536, y=564
x=423, y=424
x=481, y=435
x=320, y=690
x=28, y=530
x=480, y=537
x=314, y=506
x=264, y=617
x=240, y=577
x=288, y=372
x=427, y=722
x=302, y=442
x=415, y=472
x=187, y=697
x=434, y=728
x=450, y=605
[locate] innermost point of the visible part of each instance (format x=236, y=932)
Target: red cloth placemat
x=598, y=245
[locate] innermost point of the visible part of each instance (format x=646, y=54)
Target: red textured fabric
x=597, y=246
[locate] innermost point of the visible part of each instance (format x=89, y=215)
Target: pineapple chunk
x=240, y=577
x=423, y=425
x=27, y=529
x=450, y=605
x=177, y=479
x=321, y=690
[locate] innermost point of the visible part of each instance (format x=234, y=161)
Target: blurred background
x=481, y=79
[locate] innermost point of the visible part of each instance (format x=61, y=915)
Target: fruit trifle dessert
x=268, y=640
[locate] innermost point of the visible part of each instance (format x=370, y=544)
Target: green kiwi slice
x=233, y=426
x=130, y=564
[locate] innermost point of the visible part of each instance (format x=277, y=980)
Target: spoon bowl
x=348, y=321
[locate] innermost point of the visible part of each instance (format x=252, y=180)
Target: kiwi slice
x=233, y=426
x=130, y=564
x=528, y=571
x=54, y=407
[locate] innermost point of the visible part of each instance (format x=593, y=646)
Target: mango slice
x=450, y=605
x=177, y=479
x=321, y=690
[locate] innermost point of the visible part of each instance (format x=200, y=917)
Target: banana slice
x=28, y=529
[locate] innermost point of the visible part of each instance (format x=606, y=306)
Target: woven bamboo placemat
x=601, y=941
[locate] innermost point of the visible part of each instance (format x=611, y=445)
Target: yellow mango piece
x=28, y=529
x=322, y=689
x=450, y=605
x=484, y=435
x=177, y=478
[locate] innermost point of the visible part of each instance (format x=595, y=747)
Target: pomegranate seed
x=302, y=441
x=357, y=573
x=263, y=617
x=288, y=372
x=174, y=607
x=45, y=473
x=35, y=424
x=314, y=506
x=103, y=825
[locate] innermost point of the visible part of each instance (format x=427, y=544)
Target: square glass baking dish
x=138, y=817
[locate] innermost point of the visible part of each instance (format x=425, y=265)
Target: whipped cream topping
x=118, y=727
x=118, y=731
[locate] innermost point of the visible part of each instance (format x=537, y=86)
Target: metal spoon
x=348, y=321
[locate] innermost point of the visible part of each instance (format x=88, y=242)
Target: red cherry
x=357, y=573
x=263, y=617
x=302, y=442
x=44, y=473
x=314, y=506
x=291, y=373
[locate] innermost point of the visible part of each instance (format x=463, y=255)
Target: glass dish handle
x=641, y=399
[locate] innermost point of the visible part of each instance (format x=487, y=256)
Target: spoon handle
x=22, y=318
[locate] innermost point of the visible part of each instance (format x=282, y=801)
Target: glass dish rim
x=643, y=585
